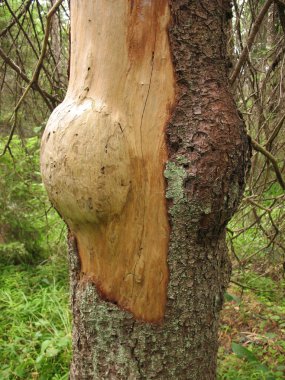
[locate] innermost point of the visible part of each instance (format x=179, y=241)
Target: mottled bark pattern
x=206, y=129
x=208, y=154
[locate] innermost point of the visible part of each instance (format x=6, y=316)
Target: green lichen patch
x=182, y=160
x=175, y=175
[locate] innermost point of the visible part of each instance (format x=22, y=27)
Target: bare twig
x=275, y=132
x=281, y=13
x=35, y=85
x=36, y=71
x=24, y=9
x=272, y=159
x=250, y=287
x=250, y=41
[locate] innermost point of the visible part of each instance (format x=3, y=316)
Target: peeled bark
x=145, y=160
x=104, y=151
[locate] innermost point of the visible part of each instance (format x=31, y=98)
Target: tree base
x=109, y=343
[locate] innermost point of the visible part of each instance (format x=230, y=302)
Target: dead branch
x=24, y=9
x=35, y=86
x=272, y=159
x=250, y=41
x=36, y=71
x=281, y=13
x=275, y=132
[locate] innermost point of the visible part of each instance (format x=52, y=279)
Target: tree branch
x=250, y=41
x=35, y=86
x=275, y=132
x=272, y=159
x=36, y=72
x=24, y=7
x=281, y=13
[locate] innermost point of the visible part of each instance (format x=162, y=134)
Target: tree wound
x=104, y=151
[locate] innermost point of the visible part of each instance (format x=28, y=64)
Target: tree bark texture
x=207, y=155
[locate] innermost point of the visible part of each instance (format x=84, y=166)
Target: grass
x=35, y=326
x=252, y=332
x=34, y=322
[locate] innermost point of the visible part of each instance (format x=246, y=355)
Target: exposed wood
x=104, y=151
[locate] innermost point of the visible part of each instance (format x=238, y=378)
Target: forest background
x=35, y=321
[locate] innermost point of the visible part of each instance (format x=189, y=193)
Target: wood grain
x=104, y=152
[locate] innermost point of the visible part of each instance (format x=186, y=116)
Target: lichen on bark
x=175, y=175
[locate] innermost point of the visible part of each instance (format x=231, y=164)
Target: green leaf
x=45, y=345
x=243, y=352
x=270, y=335
x=64, y=341
x=231, y=297
x=51, y=352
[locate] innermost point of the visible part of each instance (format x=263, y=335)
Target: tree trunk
x=145, y=160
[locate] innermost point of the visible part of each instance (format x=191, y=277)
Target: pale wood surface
x=104, y=151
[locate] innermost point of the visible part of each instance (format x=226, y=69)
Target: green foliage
x=236, y=368
x=243, y=353
x=35, y=336
x=14, y=253
x=27, y=221
x=252, y=330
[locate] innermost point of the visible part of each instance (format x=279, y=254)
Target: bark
x=207, y=151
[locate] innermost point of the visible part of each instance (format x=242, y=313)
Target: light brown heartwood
x=104, y=151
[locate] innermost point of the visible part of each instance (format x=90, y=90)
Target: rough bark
x=207, y=161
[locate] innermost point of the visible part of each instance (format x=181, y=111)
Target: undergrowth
x=252, y=332
x=35, y=331
x=35, y=326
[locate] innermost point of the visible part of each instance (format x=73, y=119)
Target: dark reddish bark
x=206, y=128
